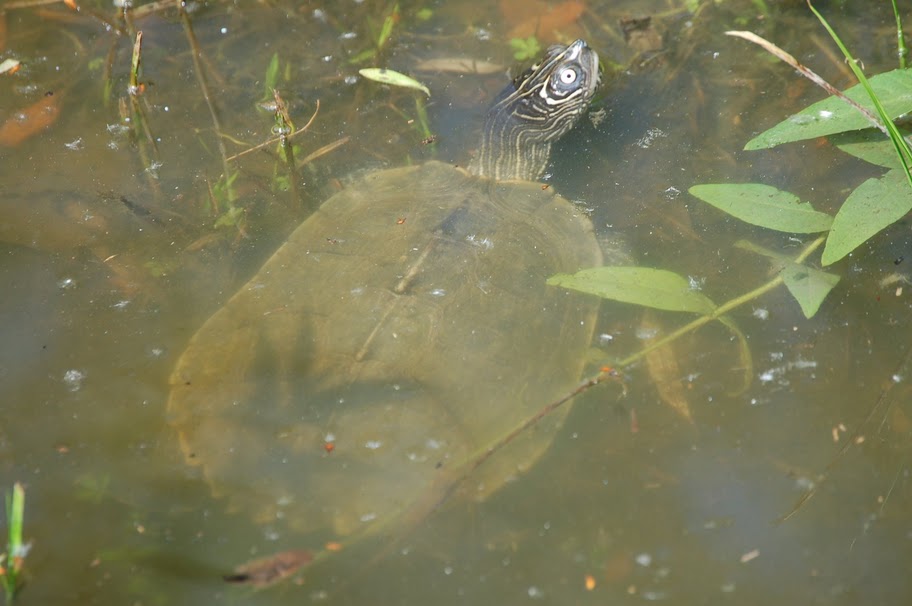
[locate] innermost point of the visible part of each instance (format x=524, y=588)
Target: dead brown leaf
x=536, y=18
x=26, y=123
x=665, y=372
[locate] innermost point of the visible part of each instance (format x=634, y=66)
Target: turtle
x=400, y=332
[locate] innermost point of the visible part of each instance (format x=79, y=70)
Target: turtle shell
x=401, y=331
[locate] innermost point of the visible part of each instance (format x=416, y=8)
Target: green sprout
x=525, y=49
x=11, y=562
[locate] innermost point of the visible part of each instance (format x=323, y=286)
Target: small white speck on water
x=73, y=379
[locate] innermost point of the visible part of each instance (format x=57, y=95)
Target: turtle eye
x=568, y=75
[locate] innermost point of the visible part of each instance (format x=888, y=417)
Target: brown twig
x=277, y=139
x=329, y=147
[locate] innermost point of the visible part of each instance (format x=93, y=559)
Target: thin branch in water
x=277, y=139
x=329, y=147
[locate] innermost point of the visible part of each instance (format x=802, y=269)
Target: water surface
x=111, y=261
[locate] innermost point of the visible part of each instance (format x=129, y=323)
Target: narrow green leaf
x=388, y=24
x=874, y=205
x=809, y=286
x=833, y=115
x=393, y=78
x=271, y=80
x=644, y=286
x=764, y=206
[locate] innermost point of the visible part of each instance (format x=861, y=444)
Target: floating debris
x=393, y=78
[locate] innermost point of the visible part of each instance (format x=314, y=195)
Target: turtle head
x=537, y=108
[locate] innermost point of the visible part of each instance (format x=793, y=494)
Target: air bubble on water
x=761, y=314
x=121, y=304
x=73, y=379
x=643, y=559
x=605, y=338
x=536, y=593
x=448, y=570
x=672, y=193
x=897, y=378
x=373, y=444
x=350, y=80
x=695, y=283
x=438, y=292
x=66, y=283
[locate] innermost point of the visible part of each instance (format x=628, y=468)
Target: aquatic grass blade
x=764, y=206
x=644, y=286
x=15, y=548
x=271, y=79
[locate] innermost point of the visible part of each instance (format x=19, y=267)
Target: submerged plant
x=11, y=562
x=860, y=123
x=854, y=121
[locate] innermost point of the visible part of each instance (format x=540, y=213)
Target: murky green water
x=109, y=263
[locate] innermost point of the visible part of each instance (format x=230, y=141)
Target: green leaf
x=764, y=206
x=388, y=24
x=644, y=286
x=874, y=205
x=809, y=286
x=271, y=80
x=869, y=145
x=832, y=115
x=393, y=78
x=525, y=49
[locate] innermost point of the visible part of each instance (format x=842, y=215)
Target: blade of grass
x=901, y=49
x=900, y=144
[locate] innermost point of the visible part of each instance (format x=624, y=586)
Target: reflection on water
x=107, y=272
